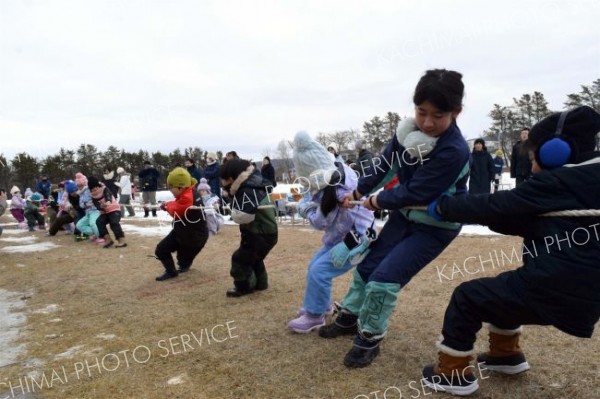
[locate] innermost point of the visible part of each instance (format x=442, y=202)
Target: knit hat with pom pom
x=314, y=164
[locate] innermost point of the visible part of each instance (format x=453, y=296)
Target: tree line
x=506, y=123
x=24, y=170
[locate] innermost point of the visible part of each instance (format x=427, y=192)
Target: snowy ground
x=12, y=319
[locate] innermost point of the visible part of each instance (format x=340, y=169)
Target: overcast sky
x=242, y=75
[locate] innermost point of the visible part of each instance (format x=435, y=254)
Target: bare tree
x=284, y=153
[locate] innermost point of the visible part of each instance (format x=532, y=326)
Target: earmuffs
x=557, y=150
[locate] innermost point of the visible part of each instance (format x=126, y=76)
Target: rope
x=568, y=213
x=192, y=207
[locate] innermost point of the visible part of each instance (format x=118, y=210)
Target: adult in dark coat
x=195, y=171
x=211, y=173
x=149, y=181
x=364, y=164
x=482, y=169
x=520, y=164
x=268, y=172
x=43, y=186
x=558, y=282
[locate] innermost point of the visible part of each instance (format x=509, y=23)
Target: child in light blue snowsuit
x=323, y=211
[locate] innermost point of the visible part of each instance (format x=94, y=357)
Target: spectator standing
x=43, y=186
x=520, y=165
x=482, y=169
x=149, y=181
x=195, y=171
x=125, y=196
x=268, y=172
x=498, y=165
x=211, y=173
x=364, y=163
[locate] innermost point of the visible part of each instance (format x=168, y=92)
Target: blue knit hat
x=70, y=186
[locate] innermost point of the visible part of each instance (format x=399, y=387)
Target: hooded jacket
x=560, y=275
x=340, y=220
x=248, y=192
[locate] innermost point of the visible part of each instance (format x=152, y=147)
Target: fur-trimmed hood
x=417, y=143
x=251, y=178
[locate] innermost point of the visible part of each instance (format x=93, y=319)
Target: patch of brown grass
x=113, y=291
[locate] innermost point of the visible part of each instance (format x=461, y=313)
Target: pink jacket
x=104, y=201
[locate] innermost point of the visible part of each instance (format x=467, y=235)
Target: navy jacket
x=498, y=165
x=482, y=172
x=149, y=179
x=211, y=173
x=420, y=183
x=560, y=276
x=43, y=187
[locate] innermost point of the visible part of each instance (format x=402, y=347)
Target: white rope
x=192, y=207
x=564, y=213
x=569, y=213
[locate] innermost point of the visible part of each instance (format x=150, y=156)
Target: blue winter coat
x=211, y=173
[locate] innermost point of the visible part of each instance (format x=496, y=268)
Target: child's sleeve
x=540, y=194
x=178, y=207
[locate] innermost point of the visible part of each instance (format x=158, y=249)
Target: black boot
x=344, y=324
x=166, y=276
x=170, y=271
x=183, y=268
x=262, y=282
x=364, y=351
x=146, y=212
x=154, y=212
x=241, y=288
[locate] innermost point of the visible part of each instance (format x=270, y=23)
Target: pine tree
x=589, y=95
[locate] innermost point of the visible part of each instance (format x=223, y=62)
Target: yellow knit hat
x=499, y=153
x=180, y=177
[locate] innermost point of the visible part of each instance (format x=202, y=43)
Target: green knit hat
x=180, y=177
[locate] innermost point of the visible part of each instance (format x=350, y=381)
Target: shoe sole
x=508, y=370
x=458, y=391
x=299, y=331
x=328, y=312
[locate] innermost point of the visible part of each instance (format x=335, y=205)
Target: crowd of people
x=556, y=168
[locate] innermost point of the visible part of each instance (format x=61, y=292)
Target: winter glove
x=163, y=206
x=305, y=206
x=341, y=253
x=433, y=211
